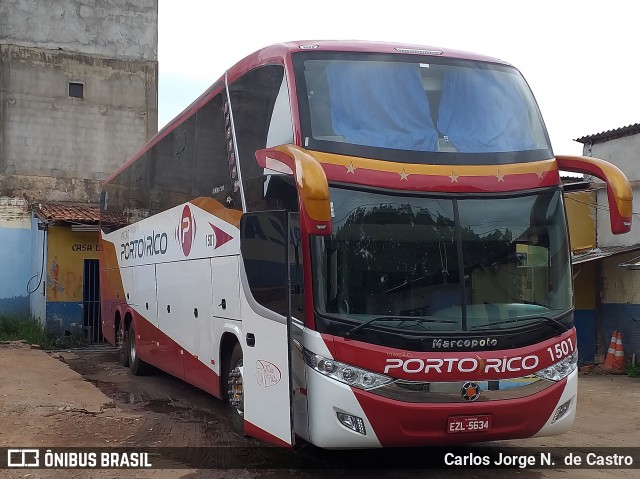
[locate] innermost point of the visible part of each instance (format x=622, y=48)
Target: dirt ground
x=85, y=398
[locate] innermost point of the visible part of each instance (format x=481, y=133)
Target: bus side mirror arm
x=619, y=192
x=311, y=183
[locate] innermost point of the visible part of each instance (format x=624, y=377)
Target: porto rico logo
x=185, y=232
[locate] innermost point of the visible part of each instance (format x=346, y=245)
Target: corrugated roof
x=77, y=214
x=601, y=253
x=610, y=134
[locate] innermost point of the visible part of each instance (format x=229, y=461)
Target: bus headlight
x=561, y=369
x=345, y=373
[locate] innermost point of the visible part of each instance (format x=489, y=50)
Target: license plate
x=468, y=424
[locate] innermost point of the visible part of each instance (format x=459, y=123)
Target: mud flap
x=266, y=327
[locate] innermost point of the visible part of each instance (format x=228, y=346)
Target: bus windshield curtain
x=482, y=111
x=381, y=104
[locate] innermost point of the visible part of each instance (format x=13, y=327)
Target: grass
x=633, y=370
x=28, y=329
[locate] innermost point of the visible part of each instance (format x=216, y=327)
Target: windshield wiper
x=559, y=325
x=401, y=319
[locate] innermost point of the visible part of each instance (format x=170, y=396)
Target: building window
x=76, y=90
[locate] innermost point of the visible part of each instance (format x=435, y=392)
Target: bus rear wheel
x=236, y=390
x=138, y=366
x=122, y=342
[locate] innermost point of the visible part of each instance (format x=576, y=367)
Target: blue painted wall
x=585, y=321
x=64, y=315
x=624, y=318
x=15, y=268
x=38, y=283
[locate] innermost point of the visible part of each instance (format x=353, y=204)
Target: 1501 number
x=561, y=350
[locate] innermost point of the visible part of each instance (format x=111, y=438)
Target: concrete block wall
x=57, y=148
x=46, y=131
x=110, y=28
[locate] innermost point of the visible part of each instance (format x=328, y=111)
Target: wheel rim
x=236, y=389
x=132, y=348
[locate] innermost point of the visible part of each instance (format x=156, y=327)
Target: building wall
x=622, y=152
x=15, y=255
x=66, y=252
x=605, y=237
x=581, y=216
x=619, y=288
x=37, y=281
x=111, y=28
x=585, y=297
x=620, y=303
x=57, y=148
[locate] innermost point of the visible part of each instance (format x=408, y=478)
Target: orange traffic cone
x=611, y=353
x=619, y=362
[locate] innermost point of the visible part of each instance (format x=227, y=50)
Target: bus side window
x=261, y=118
x=212, y=176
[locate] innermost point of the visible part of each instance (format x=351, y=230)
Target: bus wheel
x=236, y=390
x=122, y=340
x=138, y=366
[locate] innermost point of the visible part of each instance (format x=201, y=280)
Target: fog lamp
x=561, y=411
x=352, y=422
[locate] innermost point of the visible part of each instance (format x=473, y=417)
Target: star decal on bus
x=500, y=176
x=351, y=169
x=540, y=173
x=454, y=177
x=404, y=175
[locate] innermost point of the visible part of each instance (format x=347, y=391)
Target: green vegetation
x=28, y=329
x=633, y=370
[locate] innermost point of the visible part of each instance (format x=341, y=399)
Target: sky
x=580, y=58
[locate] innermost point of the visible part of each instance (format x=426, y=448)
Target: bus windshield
x=443, y=264
x=418, y=109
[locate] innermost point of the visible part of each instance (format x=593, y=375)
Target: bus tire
x=236, y=390
x=138, y=366
x=122, y=342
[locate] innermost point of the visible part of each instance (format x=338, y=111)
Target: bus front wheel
x=236, y=390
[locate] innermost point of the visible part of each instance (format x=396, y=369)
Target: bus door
x=266, y=326
x=298, y=367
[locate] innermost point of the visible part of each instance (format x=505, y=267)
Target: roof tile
x=81, y=214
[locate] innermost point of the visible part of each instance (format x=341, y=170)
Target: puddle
x=210, y=413
x=126, y=397
x=162, y=406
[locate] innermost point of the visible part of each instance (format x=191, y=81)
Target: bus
x=356, y=245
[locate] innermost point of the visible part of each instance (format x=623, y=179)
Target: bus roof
x=282, y=49
x=281, y=52
x=286, y=49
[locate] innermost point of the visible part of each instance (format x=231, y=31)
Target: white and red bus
x=356, y=245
